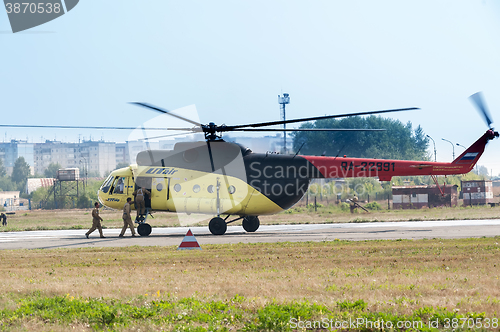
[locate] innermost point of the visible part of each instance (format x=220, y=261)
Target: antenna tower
x=284, y=100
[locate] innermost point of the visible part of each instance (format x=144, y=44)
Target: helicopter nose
x=99, y=197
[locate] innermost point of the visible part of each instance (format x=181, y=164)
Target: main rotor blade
x=478, y=100
x=84, y=127
x=262, y=124
x=311, y=129
x=162, y=110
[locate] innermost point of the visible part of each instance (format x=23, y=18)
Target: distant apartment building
x=11, y=151
x=121, y=153
x=102, y=157
x=93, y=156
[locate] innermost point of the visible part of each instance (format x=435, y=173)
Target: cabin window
x=196, y=188
x=210, y=189
x=177, y=187
x=231, y=189
x=106, y=184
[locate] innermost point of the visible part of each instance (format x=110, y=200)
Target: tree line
x=398, y=141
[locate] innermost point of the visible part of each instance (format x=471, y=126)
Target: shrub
x=373, y=206
x=318, y=205
x=344, y=206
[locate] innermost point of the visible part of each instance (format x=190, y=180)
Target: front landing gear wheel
x=251, y=223
x=217, y=226
x=144, y=229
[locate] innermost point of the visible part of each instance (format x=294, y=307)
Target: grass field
x=253, y=287
x=82, y=219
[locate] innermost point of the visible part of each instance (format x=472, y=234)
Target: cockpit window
x=118, y=185
x=105, y=186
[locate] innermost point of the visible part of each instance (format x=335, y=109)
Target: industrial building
x=417, y=197
x=477, y=192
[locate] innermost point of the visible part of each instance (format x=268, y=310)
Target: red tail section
x=470, y=156
x=384, y=169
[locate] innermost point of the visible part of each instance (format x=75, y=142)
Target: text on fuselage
x=161, y=170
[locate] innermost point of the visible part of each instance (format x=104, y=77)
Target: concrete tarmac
x=272, y=233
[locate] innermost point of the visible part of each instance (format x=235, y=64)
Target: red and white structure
x=189, y=242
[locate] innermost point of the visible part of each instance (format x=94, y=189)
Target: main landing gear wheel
x=144, y=229
x=251, y=223
x=217, y=226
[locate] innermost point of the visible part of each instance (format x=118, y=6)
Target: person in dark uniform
x=127, y=219
x=96, y=221
x=139, y=199
x=3, y=216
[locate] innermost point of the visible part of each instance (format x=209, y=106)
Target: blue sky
x=232, y=58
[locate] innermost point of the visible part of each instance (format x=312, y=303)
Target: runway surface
x=273, y=233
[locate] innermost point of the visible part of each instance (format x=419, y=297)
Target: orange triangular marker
x=189, y=242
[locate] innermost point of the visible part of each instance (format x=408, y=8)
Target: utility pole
x=283, y=100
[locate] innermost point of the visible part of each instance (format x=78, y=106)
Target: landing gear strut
x=251, y=223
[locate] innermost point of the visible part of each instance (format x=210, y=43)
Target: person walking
x=139, y=200
x=127, y=219
x=3, y=216
x=96, y=221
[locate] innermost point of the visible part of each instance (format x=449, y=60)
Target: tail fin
x=472, y=154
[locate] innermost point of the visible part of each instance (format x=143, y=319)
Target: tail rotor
x=478, y=100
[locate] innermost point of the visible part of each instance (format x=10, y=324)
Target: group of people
x=140, y=205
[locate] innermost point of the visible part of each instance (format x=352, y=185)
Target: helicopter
x=225, y=179
x=221, y=178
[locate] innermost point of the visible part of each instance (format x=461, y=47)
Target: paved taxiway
x=273, y=233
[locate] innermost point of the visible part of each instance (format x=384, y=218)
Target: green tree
x=399, y=141
x=483, y=170
x=6, y=184
x=83, y=202
x=20, y=172
x=51, y=170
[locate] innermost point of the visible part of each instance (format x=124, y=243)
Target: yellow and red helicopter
x=219, y=178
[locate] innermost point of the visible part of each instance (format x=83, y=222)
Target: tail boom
x=333, y=167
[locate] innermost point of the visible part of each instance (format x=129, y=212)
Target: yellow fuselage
x=175, y=189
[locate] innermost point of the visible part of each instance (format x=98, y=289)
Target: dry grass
x=82, y=219
x=399, y=276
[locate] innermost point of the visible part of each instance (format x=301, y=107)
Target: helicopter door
x=147, y=184
x=159, y=193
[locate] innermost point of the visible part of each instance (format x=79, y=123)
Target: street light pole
x=435, y=159
x=462, y=146
x=452, y=145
